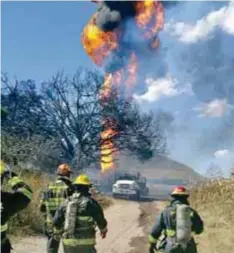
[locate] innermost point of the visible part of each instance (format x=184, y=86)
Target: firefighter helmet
x=2, y=167
x=83, y=180
x=64, y=170
x=180, y=191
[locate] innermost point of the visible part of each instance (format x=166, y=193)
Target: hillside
x=160, y=167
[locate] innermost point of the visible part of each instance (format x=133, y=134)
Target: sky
x=191, y=77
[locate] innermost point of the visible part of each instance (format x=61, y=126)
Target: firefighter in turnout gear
x=79, y=216
x=176, y=224
x=11, y=202
x=52, y=198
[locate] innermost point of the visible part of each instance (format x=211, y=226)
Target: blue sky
x=38, y=38
x=196, y=55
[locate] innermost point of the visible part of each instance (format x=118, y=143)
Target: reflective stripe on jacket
x=13, y=202
x=21, y=186
x=79, y=242
x=55, y=195
x=4, y=227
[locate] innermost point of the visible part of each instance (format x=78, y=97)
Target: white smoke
x=215, y=108
x=205, y=27
x=162, y=87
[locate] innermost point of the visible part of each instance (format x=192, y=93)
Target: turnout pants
x=79, y=249
x=52, y=245
x=170, y=247
x=6, y=246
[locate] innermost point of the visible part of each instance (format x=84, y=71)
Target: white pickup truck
x=130, y=187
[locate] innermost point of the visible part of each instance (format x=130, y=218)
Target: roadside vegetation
x=215, y=202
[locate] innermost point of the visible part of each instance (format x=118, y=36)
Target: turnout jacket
x=13, y=202
x=55, y=195
x=166, y=224
x=89, y=215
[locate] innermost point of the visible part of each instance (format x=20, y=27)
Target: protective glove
x=152, y=248
x=103, y=234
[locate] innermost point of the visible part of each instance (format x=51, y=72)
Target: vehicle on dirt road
x=130, y=186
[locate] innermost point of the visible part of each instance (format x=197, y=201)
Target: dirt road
x=123, y=219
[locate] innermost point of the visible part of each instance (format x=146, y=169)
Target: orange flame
x=106, y=87
x=150, y=17
x=99, y=45
x=108, y=150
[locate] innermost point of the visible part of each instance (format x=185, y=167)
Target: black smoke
x=112, y=14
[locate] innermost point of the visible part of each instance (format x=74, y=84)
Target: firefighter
x=11, y=202
x=176, y=224
x=78, y=217
x=52, y=198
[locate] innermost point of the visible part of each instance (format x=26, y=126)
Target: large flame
x=107, y=147
x=150, y=17
x=108, y=150
x=99, y=45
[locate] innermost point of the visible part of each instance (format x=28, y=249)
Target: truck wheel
x=114, y=195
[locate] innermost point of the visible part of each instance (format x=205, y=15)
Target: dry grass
x=30, y=220
x=215, y=203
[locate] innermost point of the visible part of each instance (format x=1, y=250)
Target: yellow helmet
x=2, y=167
x=83, y=179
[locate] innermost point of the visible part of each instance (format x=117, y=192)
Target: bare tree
x=74, y=107
x=214, y=171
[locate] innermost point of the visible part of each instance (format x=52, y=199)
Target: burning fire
x=108, y=149
x=150, y=17
x=131, y=71
x=99, y=45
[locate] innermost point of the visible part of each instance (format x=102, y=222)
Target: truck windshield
x=127, y=177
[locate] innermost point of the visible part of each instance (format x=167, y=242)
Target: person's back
x=11, y=202
x=79, y=216
x=55, y=194
x=177, y=221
